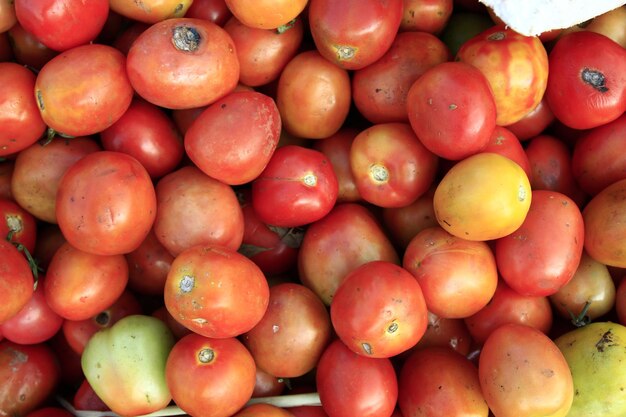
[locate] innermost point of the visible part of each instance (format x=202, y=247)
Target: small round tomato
x=151, y=11
x=16, y=281
x=266, y=14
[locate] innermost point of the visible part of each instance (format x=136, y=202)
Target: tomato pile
x=401, y=206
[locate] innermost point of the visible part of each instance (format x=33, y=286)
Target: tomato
x=390, y=165
x=297, y=187
x=439, y=381
x=485, y=196
x=106, y=203
x=509, y=306
x=146, y=133
x=312, y=411
x=214, y=10
x=426, y=15
x=6, y=174
x=50, y=412
x=262, y=410
x=35, y=323
x=533, y=123
x=353, y=33
x=28, y=50
x=263, y=53
x=7, y=15
x=542, y=255
x=220, y=373
x=151, y=11
x=30, y=375
x=523, y=372
x=604, y=227
x=447, y=333
x=69, y=361
x=182, y=63
x=176, y=328
x=458, y=277
x=235, y=137
x=313, y=96
x=125, y=365
x=350, y=384
x=17, y=225
x=380, y=89
x=83, y=90
x=16, y=281
x=266, y=14
x=267, y=385
x=210, y=208
x=38, y=171
x=505, y=143
x=348, y=237
x=586, y=88
x=20, y=122
x=379, y=310
x=148, y=266
x=62, y=24
x=85, y=398
x=516, y=67
x=124, y=40
x=49, y=240
x=216, y=291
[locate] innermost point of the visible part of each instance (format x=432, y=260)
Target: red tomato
x=148, y=266
x=440, y=382
x=285, y=344
x=20, y=122
x=380, y=89
x=312, y=411
x=16, y=281
x=452, y=110
x=106, y=203
x=35, y=323
x=354, y=33
x=124, y=40
x=351, y=385
x=266, y=14
x=151, y=11
x=221, y=372
x=62, y=24
x=210, y=208
x=83, y=90
x=542, y=255
x=505, y=143
x=533, y=123
x=297, y=187
x=458, y=277
x=215, y=291
x=76, y=295
x=182, y=63
x=235, y=137
x=28, y=50
x=147, y=134
x=17, y=225
x=426, y=15
x=85, y=398
x=6, y=174
x=29, y=375
x=267, y=385
x=379, y=310
x=442, y=332
x=214, y=10
x=390, y=165
x=586, y=88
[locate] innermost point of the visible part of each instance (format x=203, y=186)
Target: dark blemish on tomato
x=178, y=9
x=498, y=36
x=103, y=318
x=605, y=341
x=223, y=106
x=595, y=79
x=393, y=327
x=446, y=222
x=186, y=38
x=40, y=100
x=548, y=373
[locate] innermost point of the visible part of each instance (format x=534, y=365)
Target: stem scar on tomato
x=206, y=355
x=186, y=38
x=186, y=284
x=345, y=52
x=379, y=173
x=595, y=79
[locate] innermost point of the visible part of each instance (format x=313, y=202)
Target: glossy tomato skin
x=505, y=143
x=147, y=134
x=429, y=16
x=235, y=137
x=17, y=223
x=586, y=88
x=183, y=63
x=106, y=203
x=452, y=110
x=297, y=187
x=220, y=371
x=214, y=10
x=379, y=310
x=353, y=34
x=445, y=333
x=533, y=123
x=63, y=24
x=216, y=291
x=266, y=14
x=148, y=266
x=543, y=254
x=83, y=90
x=151, y=11
x=380, y=89
x=350, y=384
x=16, y=279
x=20, y=121
x=27, y=49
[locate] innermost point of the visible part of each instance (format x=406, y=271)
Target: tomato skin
x=379, y=310
x=85, y=398
x=354, y=33
x=533, y=123
x=214, y=10
x=106, y=203
x=221, y=372
x=446, y=333
x=505, y=143
x=216, y=291
x=585, y=88
x=16, y=280
x=266, y=14
x=183, y=63
x=20, y=120
x=148, y=266
x=19, y=223
x=151, y=11
x=27, y=49
x=350, y=384
x=63, y=24
x=90, y=80
x=7, y=15
x=297, y=187
x=542, y=255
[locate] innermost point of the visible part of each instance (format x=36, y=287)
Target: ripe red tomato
x=220, y=373
x=448, y=333
x=533, y=123
x=27, y=49
x=106, y=203
x=505, y=143
x=85, y=398
x=148, y=266
x=16, y=281
x=183, y=63
x=214, y=10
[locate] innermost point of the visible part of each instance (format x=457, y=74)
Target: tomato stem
x=582, y=319
x=284, y=28
x=32, y=262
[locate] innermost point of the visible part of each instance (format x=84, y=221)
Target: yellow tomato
x=485, y=196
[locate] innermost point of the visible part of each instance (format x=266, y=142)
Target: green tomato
x=596, y=354
x=125, y=365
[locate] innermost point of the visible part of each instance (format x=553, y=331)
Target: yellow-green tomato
x=125, y=365
x=596, y=354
